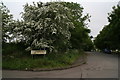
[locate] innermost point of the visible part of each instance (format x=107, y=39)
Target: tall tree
x=109, y=37
x=6, y=20
x=46, y=25
x=54, y=25
x=79, y=35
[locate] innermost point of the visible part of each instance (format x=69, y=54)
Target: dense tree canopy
x=45, y=25
x=55, y=26
x=6, y=18
x=109, y=37
x=79, y=35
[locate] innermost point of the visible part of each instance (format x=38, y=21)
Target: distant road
x=99, y=65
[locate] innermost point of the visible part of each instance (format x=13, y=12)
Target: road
x=99, y=65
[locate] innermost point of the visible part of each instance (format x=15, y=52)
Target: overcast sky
x=98, y=9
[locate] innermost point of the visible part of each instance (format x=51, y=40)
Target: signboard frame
x=33, y=52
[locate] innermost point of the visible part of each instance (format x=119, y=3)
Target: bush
x=48, y=61
x=15, y=49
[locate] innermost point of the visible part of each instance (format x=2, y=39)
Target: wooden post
x=32, y=56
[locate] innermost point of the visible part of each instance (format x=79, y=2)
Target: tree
x=79, y=35
x=6, y=20
x=109, y=37
x=46, y=25
x=54, y=26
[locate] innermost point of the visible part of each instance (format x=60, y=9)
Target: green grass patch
x=20, y=61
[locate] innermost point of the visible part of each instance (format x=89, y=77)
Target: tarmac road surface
x=99, y=65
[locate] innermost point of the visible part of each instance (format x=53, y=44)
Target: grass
x=23, y=62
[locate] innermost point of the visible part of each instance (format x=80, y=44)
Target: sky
x=97, y=9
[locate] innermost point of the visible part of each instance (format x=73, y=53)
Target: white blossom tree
x=6, y=19
x=46, y=25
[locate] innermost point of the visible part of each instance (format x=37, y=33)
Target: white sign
x=38, y=51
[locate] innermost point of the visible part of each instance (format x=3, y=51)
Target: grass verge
x=24, y=62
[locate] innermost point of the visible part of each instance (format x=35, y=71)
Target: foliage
x=6, y=20
x=109, y=37
x=48, y=61
x=13, y=48
x=79, y=35
x=88, y=45
x=54, y=26
x=45, y=25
